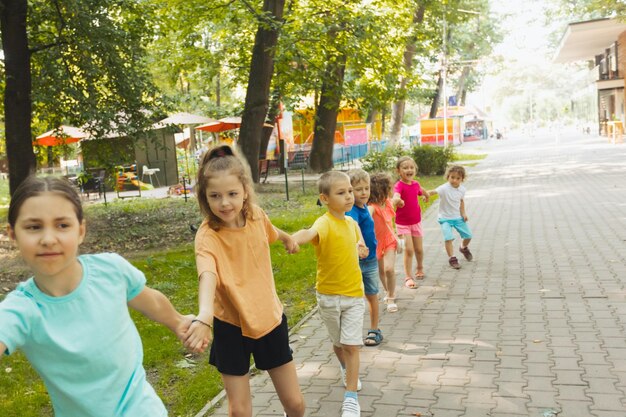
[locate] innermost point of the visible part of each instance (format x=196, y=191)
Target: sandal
x=392, y=307
x=419, y=275
x=410, y=283
x=374, y=337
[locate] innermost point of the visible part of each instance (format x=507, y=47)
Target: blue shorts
x=459, y=224
x=369, y=272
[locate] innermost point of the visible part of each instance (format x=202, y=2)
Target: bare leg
x=388, y=262
x=466, y=242
x=287, y=387
x=381, y=273
x=372, y=301
x=408, y=255
x=449, y=248
x=238, y=394
x=349, y=358
x=419, y=252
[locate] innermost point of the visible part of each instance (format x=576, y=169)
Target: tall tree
x=397, y=110
x=85, y=63
x=259, y=81
x=17, y=100
x=321, y=158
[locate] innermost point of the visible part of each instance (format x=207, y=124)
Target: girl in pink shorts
x=409, y=218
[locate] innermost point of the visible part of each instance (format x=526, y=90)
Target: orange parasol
x=226, y=123
x=60, y=136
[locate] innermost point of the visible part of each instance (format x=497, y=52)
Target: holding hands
x=198, y=335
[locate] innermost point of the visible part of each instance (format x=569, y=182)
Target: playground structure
x=462, y=124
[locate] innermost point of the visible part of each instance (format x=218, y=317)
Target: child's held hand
x=198, y=337
x=291, y=246
x=363, y=250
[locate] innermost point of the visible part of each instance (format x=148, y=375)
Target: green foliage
x=432, y=160
x=384, y=161
x=88, y=67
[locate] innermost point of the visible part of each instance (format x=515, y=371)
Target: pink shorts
x=413, y=230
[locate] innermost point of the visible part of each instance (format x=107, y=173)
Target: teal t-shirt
x=85, y=345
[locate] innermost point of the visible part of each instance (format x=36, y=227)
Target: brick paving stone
x=535, y=324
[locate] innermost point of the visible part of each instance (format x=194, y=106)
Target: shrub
x=384, y=161
x=432, y=160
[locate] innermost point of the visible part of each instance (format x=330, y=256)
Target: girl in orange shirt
x=380, y=190
x=237, y=296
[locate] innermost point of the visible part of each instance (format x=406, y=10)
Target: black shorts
x=230, y=351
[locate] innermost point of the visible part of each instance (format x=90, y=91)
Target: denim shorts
x=369, y=272
x=459, y=224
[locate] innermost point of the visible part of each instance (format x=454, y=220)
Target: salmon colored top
x=383, y=228
x=245, y=295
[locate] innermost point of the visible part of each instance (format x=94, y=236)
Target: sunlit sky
x=527, y=38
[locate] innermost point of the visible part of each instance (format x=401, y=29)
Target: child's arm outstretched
x=199, y=334
x=463, y=210
x=157, y=307
x=397, y=201
x=305, y=236
x=290, y=244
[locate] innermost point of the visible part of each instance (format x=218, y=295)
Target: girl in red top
x=237, y=295
x=409, y=218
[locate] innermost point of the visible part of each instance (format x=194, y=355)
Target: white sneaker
x=350, y=408
x=345, y=383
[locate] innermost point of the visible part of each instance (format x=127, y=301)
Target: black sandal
x=374, y=337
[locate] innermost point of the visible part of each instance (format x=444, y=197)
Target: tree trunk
x=321, y=158
x=435, y=104
x=272, y=114
x=460, y=92
x=17, y=100
x=437, y=98
x=397, y=109
x=257, y=94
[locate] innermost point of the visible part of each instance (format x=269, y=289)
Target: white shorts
x=343, y=317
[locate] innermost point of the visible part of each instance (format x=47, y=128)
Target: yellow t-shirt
x=338, y=271
x=245, y=295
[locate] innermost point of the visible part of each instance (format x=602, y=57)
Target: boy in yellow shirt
x=338, y=246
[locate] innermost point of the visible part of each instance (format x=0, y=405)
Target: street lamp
x=445, y=76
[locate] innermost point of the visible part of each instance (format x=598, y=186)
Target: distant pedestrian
x=71, y=319
x=237, y=296
x=362, y=214
x=452, y=213
x=387, y=240
x=338, y=247
x=406, y=193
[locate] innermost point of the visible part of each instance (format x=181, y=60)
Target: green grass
x=468, y=157
x=184, y=389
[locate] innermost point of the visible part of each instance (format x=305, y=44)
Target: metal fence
x=347, y=154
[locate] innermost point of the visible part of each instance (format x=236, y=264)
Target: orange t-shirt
x=245, y=295
x=383, y=228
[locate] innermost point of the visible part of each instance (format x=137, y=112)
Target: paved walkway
x=534, y=326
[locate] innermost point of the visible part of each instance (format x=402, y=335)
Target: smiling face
x=407, y=171
x=340, y=198
x=226, y=194
x=361, y=191
x=48, y=233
